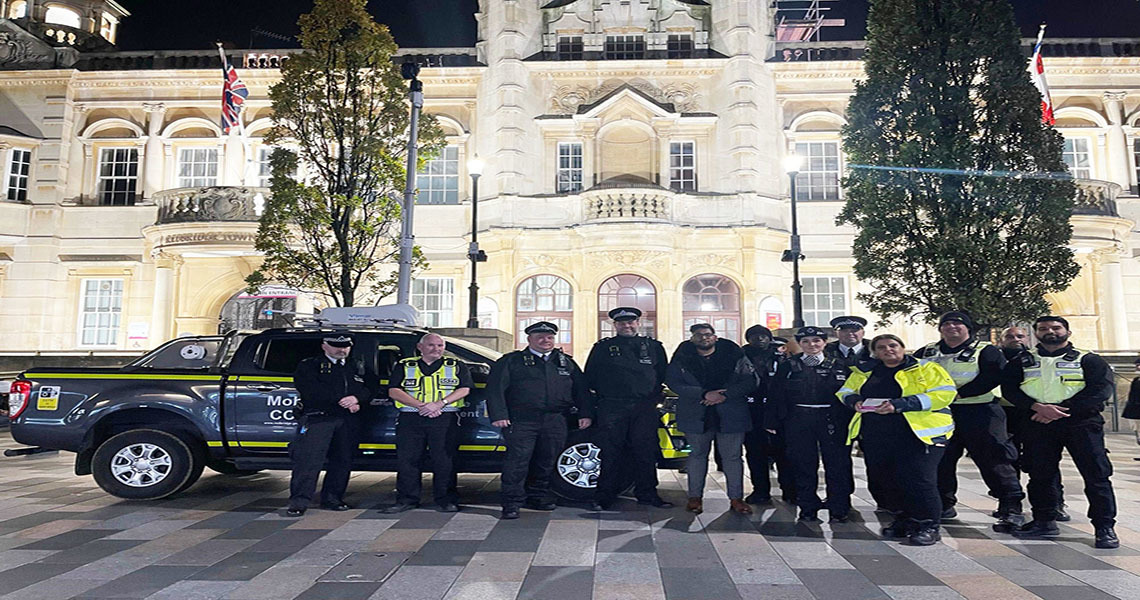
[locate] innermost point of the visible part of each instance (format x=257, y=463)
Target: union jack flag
x=1037, y=74
x=234, y=94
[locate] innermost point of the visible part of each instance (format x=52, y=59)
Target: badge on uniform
x=411, y=382
x=564, y=372
x=645, y=360
x=449, y=381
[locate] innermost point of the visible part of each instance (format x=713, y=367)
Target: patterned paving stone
x=896, y=570
x=692, y=584
x=141, y=583
x=241, y=566
x=920, y=592
x=568, y=544
x=1068, y=592
x=411, y=582
x=839, y=584
x=626, y=567
x=195, y=590
x=564, y=583
x=339, y=591
x=625, y=541
x=445, y=553
x=277, y=582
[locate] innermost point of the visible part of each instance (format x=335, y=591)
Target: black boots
x=1106, y=538
x=925, y=533
x=1037, y=528
x=1009, y=516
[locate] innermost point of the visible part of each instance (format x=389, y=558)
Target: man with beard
x=979, y=423
x=712, y=379
x=760, y=445
x=849, y=348
x=626, y=373
x=1065, y=390
x=1014, y=341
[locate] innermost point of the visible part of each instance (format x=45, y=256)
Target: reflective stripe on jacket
x=925, y=380
x=429, y=388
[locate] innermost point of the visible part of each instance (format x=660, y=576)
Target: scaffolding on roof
x=802, y=20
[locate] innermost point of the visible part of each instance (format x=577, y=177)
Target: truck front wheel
x=143, y=464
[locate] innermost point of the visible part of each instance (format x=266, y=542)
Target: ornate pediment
x=20, y=50
x=673, y=98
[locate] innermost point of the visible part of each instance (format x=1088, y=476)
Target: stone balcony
x=1096, y=198
x=210, y=204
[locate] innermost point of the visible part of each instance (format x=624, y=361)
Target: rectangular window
x=1136, y=160
x=619, y=47
x=819, y=173
x=434, y=297
x=197, y=167
x=679, y=46
x=824, y=299
x=1077, y=158
x=100, y=312
x=682, y=166
x=265, y=167
x=118, y=176
x=19, y=165
x=438, y=182
x=569, y=167
x=569, y=47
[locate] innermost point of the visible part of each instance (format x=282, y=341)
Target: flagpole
x=240, y=121
x=1040, y=35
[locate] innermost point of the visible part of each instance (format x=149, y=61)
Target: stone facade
x=665, y=167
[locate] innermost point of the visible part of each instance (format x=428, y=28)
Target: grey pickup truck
x=148, y=429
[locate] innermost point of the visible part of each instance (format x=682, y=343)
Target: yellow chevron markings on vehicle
x=378, y=446
x=214, y=444
x=485, y=448
x=124, y=376
x=260, y=378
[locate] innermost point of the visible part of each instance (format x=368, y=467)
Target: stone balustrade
x=1096, y=198
x=627, y=205
x=207, y=204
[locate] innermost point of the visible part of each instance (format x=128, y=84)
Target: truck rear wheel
x=143, y=464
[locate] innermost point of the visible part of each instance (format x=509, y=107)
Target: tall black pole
x=797, y=288
x=473, y=253
x=407, y=235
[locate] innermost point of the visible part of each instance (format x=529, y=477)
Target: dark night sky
x=182, y=25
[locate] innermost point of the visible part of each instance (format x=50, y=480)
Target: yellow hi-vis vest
x=962, y=367
x=1054, y=379
x=933, y=387
x=428, y=388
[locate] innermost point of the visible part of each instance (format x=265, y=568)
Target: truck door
x=260, y=398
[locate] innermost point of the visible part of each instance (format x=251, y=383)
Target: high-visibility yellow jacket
x=428, y=388
x=927, y=391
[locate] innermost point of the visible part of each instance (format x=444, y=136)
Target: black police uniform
x=980, y=429
x=815, y=425
x=763, y=447
x=535, y=394
x=326, y=431
x=415, y=433
x=1081, y=433
x=852, y=358
x=626, y=374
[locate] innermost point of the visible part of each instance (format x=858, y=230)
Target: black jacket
x=1132, y=409
x=796, y=383
x=523, y=387
x=1089, y=400
x=626, y=368
x=764, y=361
x=831, y=350
x=691, y=375
x=991, y=364
x=321, y=384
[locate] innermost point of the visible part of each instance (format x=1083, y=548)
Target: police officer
x=814, y=423
x=780, y=345
x=529, y=393
x=1064, y=389
x=428, y=390
x=331, y=390
x=626, y=373
x=762, y=446
x=979, y=422
x=849, y=347
x=1014, y=341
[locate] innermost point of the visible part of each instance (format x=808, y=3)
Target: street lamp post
x=475, y=169
x=792, y=164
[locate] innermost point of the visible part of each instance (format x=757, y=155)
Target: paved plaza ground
x=62, y=537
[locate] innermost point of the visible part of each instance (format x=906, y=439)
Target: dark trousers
x=1083, y=437
x=414, y=434
x=1017, y=424
x=762, y=448
x=321, y=439
x=627, y=437
x=812, y=433
x=980, y=429
x=904, y=467
x=533, y=446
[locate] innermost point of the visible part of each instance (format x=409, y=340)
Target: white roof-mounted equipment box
x=391, y=314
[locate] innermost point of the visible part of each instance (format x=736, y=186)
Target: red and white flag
x=1037, y=74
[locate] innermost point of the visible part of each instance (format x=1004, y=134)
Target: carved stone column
x=153, y=154
x=162, y=308
x=1116, y=142
x=1113, y=306
x=76, y=184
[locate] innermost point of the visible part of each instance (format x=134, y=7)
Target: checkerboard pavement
x=225, y=538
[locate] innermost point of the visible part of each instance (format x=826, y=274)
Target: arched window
x=712, y=299
x=62, y=16
x=627, y=290
x=18, y=9
x=544, y=298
